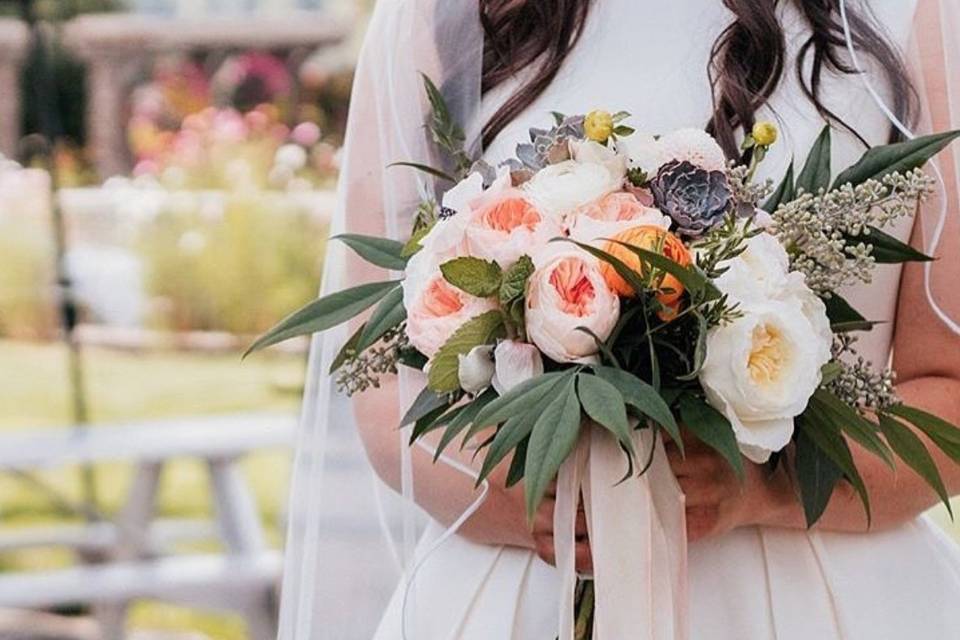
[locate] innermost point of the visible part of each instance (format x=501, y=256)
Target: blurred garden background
x=184, y=202
x=181, y=209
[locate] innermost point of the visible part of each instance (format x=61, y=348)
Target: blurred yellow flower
x=765, y=134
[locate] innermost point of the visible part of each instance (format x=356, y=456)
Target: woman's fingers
x=583, y=558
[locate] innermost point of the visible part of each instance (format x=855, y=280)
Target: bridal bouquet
x=611, y=280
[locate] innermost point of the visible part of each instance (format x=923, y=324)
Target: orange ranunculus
x=651, y=238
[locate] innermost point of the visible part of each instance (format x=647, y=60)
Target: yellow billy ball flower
x=765, y=134
x=598, y=126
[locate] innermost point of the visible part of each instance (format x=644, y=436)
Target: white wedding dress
x=650, y=58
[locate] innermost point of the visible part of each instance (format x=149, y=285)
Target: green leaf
x=817, y=477
x=829, y=372
x=643, y=398
x=412, y=247
x=692, y=280
x=433, y=171
x=444, y=376
x=839, y=311
x=605, y=406
x=475, y=276
x=816, y=170
x=623, y=130
x=425, y=403
x=516, y=400
x=349, y=347
x=911, y=450
x=713, y=429
x=633, y=278
x=463, y=420
x=325, y=313
x=826, y=435
x=389, y=314
x=514, y=283
x=431, y=422
x=381, y=252
x=889, y=250
x=852, y=423
x=518, y=428
x=901, y=156
x=553, y=438
x=783, y=194
x=518, y=465
x=945, y=435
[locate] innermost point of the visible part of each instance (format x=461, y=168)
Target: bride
x=479, y=571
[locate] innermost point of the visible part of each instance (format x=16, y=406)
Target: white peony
x=760, y=372
x=759, y=273
x=762, y=368
x=561, y=188
x=568, y=291
x=516, y=362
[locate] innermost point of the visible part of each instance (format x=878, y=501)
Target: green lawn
x=126, y=386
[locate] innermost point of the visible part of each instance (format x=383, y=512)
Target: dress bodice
x=650, y=58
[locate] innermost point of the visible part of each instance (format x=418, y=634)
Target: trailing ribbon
x=637, y=531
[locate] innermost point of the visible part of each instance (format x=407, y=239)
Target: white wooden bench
x=243, y=578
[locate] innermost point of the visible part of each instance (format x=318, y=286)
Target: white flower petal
x=516, y=362
x=476, y=369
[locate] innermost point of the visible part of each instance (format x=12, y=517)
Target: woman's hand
x=717, y=501
x=543, y=533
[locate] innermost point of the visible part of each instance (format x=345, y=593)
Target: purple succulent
x=696, y=199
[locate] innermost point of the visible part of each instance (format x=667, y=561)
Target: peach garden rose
x=568, y=291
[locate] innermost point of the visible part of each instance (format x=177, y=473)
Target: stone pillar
x=14, y=40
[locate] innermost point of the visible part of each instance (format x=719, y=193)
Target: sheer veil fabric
x=354, y=547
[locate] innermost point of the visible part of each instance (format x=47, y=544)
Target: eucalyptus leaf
x=389, y=314
x=839, y=311
x=852, y=423
x=713, y=429
x=692, y=280
x=381, y=252
x=945, y=435
x=517, y=399
x=817, y=477
x=325, y=313
x=349, y=347
x=425, y=403
x=889, y=250
x=901, y=156
x=784, y=192
x=553, y=438
x=826, y=435
x=604, y=404
x=910, y=448
x=462, y=420
x=643, y=398
x=815, y=174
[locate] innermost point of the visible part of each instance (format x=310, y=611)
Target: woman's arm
x=926, y=358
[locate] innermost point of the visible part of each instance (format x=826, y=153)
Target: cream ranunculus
x=642, y=151
x=561, y=188
x=568, y=291
x=516, y=362
x=760, y=372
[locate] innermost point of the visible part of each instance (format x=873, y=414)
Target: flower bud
x=598, y=126
x=765, y=134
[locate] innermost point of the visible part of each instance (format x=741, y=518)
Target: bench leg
x=133, y=535
x=239, y=522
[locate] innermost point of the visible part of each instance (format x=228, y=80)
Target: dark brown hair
x=747, y=62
